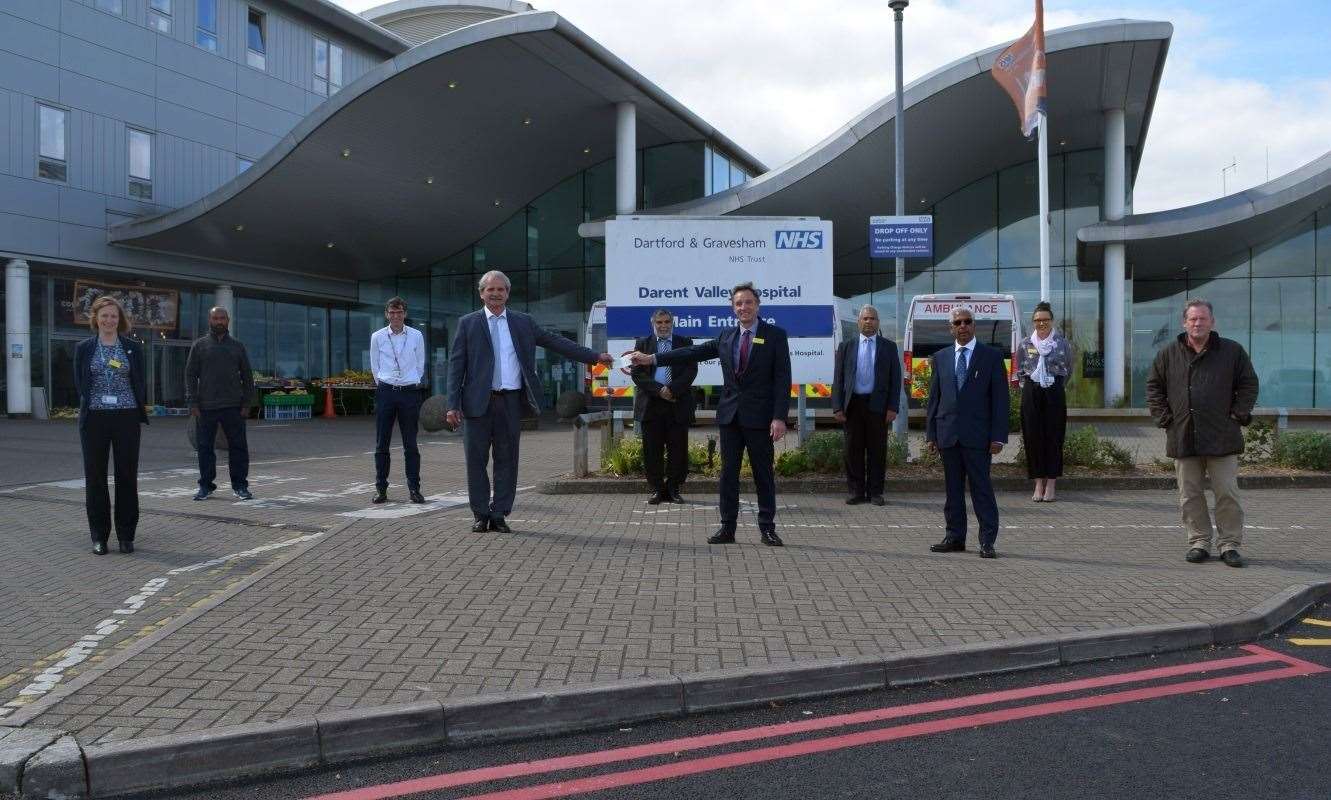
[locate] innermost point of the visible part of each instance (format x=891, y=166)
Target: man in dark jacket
x=219, y=387
x=663, y=405
x=866, y=396
x=1202, y=390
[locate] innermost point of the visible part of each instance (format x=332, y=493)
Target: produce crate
x=275, y=412
x=288, y=400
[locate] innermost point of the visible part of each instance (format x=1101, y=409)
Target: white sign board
x=689, y=267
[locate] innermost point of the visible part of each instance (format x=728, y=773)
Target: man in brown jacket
x=1201, y=391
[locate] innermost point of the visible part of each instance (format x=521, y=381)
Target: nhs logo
x=799, y=240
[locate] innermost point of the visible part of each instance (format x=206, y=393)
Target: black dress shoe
x=99, y=548
x=1232, y=558
x=480, y=526
x=675, y=496
x=380, y=496
x=855, y=500
x=723, y=536
x=499, y=525
x=947, y=546
x=770, y=539
x=878, y=500
x=1197, y=555
x=416, y=496
x=987, y=551
x=126, y=546
x=656, y=499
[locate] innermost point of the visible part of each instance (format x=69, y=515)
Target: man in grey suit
x=491, y=381
x=866, y=396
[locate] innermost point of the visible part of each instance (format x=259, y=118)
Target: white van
x=929, y=329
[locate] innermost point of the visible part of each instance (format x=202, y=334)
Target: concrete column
x=1115, y=257
x=626, y=158
x=18, y=338
x=223, y=296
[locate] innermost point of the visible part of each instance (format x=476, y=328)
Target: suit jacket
x=471, y=362
x=138, y=374
x=978, y=414
x=762, y=393
x=886, y=379
x=681, y=379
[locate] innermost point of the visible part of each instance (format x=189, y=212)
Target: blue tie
x=663, y=373
x=961, y=368
x=497, y=381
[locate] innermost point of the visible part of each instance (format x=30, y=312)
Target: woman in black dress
x=1045, y=363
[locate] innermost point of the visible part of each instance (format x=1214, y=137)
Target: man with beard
x=219, y=387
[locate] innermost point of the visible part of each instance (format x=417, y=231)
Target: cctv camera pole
x=902, y=422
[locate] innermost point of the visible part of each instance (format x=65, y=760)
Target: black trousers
x=735, y=439
x=402, y=406
x=114, y=433
x=237, y=447
x=665, y=445
x=1044, y=423
x=866, y=448
x=496, y=432
x=963, y=465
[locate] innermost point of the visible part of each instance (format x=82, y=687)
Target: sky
x=1243, y=83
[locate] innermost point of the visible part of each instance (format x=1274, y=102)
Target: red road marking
x=876, y=736
x=520, y=769
x=1293, y=661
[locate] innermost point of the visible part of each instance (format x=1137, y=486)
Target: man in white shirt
x=397, y=359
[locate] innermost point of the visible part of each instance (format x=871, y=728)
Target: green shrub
x=1259, y=442
x=793, y=462
x=1304, y=450
x=898, y=450
x=1083, y=447
x=1013, y=408
x=698, y=459
x=826, y=451
x=623, y=456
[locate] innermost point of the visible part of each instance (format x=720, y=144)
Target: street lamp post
x=902, y=423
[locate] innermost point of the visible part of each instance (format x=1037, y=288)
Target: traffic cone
x=328, y=402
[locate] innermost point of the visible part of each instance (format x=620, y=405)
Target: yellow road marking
x=1312, y=642
x=1322, y=622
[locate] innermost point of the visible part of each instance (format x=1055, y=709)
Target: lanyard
x=393, y=349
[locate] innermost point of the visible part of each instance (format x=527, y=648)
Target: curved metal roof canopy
x=1161, y=242
x=960, y=126
x=399, y=165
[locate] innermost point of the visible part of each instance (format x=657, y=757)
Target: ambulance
x=929, y=329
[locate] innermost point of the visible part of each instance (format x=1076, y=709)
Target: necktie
x=497, y=382
x=663, y=373
x=864, y=370
x=961, y=368
x=743, y=352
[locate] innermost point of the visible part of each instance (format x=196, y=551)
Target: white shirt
x=865, y=357
x=970, y=357
x=510, y=369
x=398, y=359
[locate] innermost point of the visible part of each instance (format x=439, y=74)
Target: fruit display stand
x=352, y=391
x=278, y=405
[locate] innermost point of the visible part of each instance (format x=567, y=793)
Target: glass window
x=159, y=15
x=112, y=6
x=672, y=173
x=337, y=341
x=292, y=341
x=599, y=190
x=737, y=175
x=1291, y=253
x=553, y=220
x=1019, y=215
x=1233, y=266
x=720, y=173
x=1083, y=182
x=205, y=33
x=967, y=281
x=360, y=326
x=243, y=164
x=320, y=66
x=251, y=328
x=1322, y=362
x=1282, y=340
x=1324, y=241
x=51, y=160
x=255, y=46
x=964, y=233
x=1230, y=298
x=1157, y=317
x=140, y=164
x=505, y=247
x=334, y=68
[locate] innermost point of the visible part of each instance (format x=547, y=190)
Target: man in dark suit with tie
x=752, y=411
x=663, y=404
x=967, y=423
x=866, y=396
x=491, y=381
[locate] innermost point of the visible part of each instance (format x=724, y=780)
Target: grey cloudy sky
x=778, y=76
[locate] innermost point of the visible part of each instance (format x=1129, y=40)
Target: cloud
x=779, y=82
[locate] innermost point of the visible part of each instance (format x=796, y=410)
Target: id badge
x=108, y=399
x=397, y=374
x=115, y=363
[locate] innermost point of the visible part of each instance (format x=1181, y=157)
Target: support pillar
x=626, y=158
x=223, y=297
x=18, y=339
x=1115, y=277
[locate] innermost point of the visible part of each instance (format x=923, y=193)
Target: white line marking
x=437, y=502
x=81, y=650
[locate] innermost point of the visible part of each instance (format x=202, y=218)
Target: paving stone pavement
x=597, y=588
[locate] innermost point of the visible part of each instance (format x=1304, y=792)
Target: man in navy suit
x=752, y=411
x=663, y=405
x=967, y=423
x=866, y=396
x=491, y=381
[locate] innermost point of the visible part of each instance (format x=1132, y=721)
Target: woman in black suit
x=1044, y=364
x=109, y=373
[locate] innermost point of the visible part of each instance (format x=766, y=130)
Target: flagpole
x=1044, y=207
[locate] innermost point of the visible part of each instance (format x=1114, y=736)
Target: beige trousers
x=1223, y=472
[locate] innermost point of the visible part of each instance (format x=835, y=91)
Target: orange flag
x=1020, y=70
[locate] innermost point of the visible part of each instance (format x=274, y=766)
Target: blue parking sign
x=901, y=237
